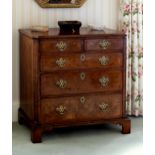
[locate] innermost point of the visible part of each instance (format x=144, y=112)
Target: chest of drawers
x=70, y=80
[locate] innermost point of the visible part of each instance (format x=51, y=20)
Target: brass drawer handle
x=104, y=107
x=61, y=46
x=82, y=76
x=104, y=81
x=82, y=99
x=82, y=57
x=61, y=109
x=104, y=44
x=61, y=83
x=104, y=60
x=61, y=62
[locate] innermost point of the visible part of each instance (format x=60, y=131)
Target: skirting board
x=15, y=107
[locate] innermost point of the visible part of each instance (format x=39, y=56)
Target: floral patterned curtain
x=132, y=24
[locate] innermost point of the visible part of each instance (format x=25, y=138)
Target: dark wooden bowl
x=69, y=27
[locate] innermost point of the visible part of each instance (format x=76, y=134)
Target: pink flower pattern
x=132, y=25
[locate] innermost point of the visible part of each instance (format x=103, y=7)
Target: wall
x=27, y=13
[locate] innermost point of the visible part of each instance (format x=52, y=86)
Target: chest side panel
x=28, y=76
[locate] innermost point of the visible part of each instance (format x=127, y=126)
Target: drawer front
x=103, y=44
x=81, y=108
x=80, y=61
x=74, y=82
x=61, y=45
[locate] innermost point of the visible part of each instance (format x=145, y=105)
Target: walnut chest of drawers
x=70, y=80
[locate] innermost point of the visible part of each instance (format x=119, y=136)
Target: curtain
x=131, y=19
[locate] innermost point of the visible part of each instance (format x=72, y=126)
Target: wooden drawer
x=103, y=44
x=80, y=61
x=73, y=82
x=81, y=108
x=61, y=45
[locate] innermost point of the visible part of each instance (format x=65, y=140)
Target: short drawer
x=82, y=108
x=80, y=61
x=73, y=82
x=61, y=45
x=103, y=44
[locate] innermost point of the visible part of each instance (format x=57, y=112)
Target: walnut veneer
x=68, y=80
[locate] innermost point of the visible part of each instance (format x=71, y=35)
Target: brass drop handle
x=104, y=107
x=61, y=46
x=104, y=81
x=61, y=83
x=104, y=44
x=104, y=60
x=82, y=99
x=60, y=62
x=61, y=109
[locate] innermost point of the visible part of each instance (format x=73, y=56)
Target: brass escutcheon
x=82, y=57
x=82, y=99
x=104, y=81
x=61, y=46
x=104, y=44
x=104, y=60
x=82, y=76
x=61, y=109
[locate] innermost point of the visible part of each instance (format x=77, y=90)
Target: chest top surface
x=84, y=32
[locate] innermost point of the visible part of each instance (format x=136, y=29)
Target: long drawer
x=53, y=62
x=73, y=82
x=81, y=108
